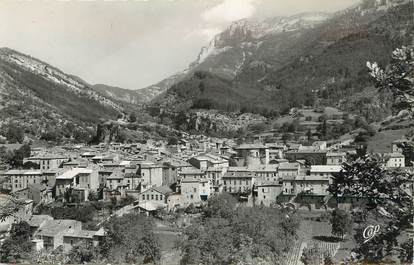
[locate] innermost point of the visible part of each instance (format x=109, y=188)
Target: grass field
x=381, y=142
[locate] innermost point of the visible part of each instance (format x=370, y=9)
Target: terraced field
x=307, y=233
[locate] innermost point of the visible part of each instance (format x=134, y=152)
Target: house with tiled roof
x=238, y=180
x=52, y=232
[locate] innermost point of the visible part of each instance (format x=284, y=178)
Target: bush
x=82, y=213
x=18, y=245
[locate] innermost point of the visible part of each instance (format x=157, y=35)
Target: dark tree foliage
x=221, y=205
x=228, y=234
x=397, y=78
x=341, y=223
x=15, y=158
x=83, y=252
x=31, y=165
x=18, y=245
x=130, y=239
x=387, y=200
x=14, y=133
x=81, y=213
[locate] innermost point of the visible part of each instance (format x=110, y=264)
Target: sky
x=131, y=43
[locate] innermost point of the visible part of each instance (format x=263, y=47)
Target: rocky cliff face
x=282, y=63
x=229, y=50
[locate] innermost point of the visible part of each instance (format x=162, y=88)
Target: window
x=195, y=189
x=143, y=197
x=160, y=197
x=147, y=196
x=191, y=196
x=224, y=182
x=240, y=182
x=152, y=196
x=156, y=197
x=234, y=182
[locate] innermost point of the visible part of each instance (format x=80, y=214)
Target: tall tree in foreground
x=238, y=235
x=388, y=201
x=131, y=239
x=397, y=78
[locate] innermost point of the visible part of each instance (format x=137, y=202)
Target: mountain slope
x=120, y=94
x=273, y=67
x=227, y=52
x=39, y=97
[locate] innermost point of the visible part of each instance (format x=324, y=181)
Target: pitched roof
x=80, y=233
x=163, y=189
x=54, y=227
x=37, y=220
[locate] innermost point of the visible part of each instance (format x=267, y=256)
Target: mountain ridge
x=44, y=101
x=284, y=70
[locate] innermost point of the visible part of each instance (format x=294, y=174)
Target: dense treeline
x=231, y=234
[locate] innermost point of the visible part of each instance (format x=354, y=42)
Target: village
x=155, y=179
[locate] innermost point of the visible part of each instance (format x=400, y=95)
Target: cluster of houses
x=161, y=177
x=171, y=177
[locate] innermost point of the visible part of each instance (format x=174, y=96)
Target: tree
x=18, y=245
x=397, y=78
x=14, y=133
x=341, y=223
x=31, y=165
x=132, y=117
x=311, y=256
x=11, y=207
x=93, y=196
x=81, y=213
x=135, y=244
x=15, y=158
x=172, y=141
x=244, y=236
x=386, y=198
x=221, y=205
x=309, y=135
x=83, y=252
x=314, y=255
x=406, y=254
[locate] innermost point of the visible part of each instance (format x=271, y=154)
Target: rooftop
x=70, y=174
x=53, y=227
x=37, y=220
x=163, y=189
x=288, y=166
x=325, y=168
x=251, y=146
x=191, y=172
